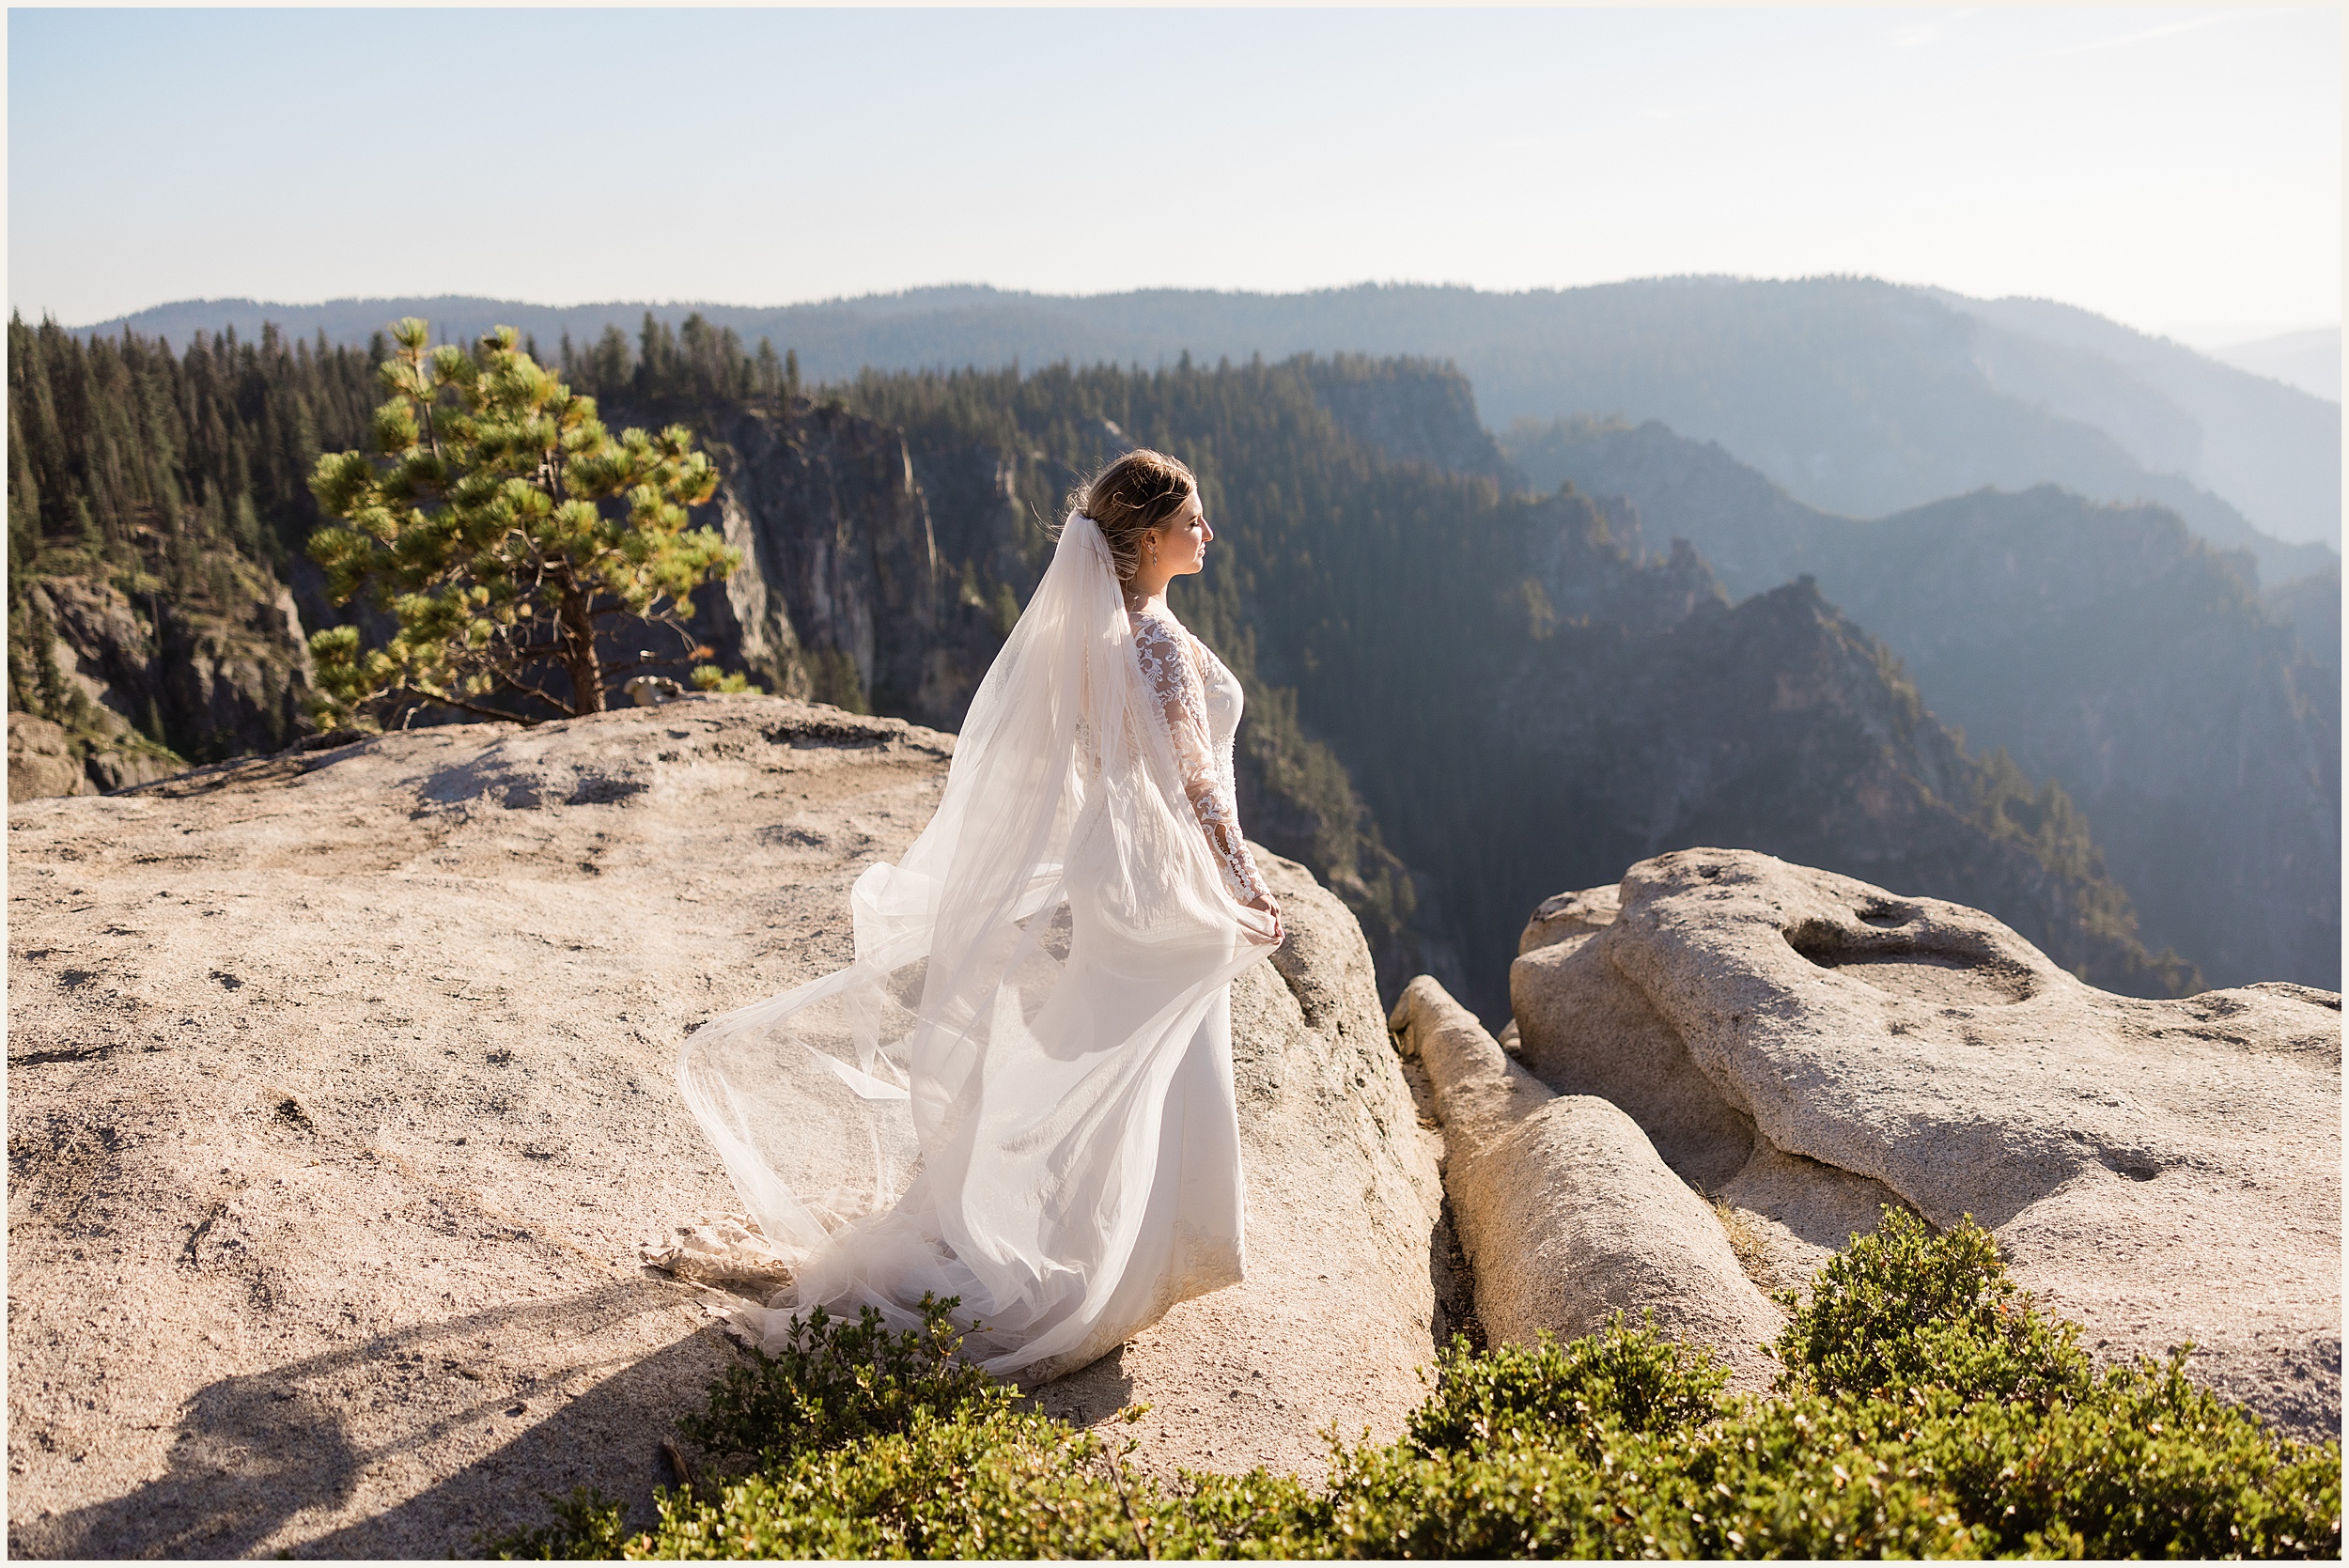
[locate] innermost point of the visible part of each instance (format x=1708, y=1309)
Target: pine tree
x=501, y=523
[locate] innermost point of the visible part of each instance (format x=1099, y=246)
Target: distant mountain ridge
x=2248, y=434
x=2102, y=646
x=2308, y=359
x=1857, y=395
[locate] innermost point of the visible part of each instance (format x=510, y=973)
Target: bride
x=1021, y=1092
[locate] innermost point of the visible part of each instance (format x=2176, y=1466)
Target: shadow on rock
x=254, y=1452
x=1090, y=1394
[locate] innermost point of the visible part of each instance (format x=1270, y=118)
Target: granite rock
x=1807, y=1046
x=341, y=1113
x=1565, y=1211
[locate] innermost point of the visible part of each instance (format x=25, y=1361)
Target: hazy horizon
x=2201, y=336
x=2178, y=172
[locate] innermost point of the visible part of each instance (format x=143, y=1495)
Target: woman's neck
x=1142, y=596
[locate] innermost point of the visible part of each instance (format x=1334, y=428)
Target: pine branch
x=516, y=683
x=445, y=700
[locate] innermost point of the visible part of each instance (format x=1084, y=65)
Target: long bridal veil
x=972, y=1107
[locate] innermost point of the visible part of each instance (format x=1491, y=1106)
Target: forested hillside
x=1856, y=395
x=2195, y=720
x=157, y=509
x=1522, y=702
x=1461, y=698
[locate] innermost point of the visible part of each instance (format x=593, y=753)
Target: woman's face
x=1182, y=540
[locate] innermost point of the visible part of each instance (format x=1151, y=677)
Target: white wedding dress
x=1021, y=1093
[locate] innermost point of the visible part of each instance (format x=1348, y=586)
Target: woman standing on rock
x=1021, y=1093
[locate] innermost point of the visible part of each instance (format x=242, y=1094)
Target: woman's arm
x=1168, y=666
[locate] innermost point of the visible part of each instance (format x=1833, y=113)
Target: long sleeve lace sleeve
x=1173, y=673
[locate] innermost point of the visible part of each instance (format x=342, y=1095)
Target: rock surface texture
x=840, y=594
x=341, y=1097
x=1564, y=1210
x=41, y=760
x=1807, y=1046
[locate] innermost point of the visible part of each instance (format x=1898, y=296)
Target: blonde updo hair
x=1140, y=491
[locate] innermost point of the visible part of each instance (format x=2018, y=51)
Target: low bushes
x=1923, y=1408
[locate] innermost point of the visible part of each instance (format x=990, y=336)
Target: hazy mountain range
x=1461, y=696
x=1855, y=395
x=2308, y=359
x=2196, y=722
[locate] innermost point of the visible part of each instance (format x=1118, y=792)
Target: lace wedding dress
x=1019, y=1093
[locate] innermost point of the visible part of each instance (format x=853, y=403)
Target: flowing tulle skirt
x=1186, y=1240
x=1082, y=1176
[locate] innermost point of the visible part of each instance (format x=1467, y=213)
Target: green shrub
x=1906, y=1308
x=837, y=1381
x=993, y=1483
x=1777, y=1480
x=1923, y=1408
x=588, y=1527
x=2144, y=1464
x=1623, y=1379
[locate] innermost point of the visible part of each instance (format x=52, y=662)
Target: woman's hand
x=1267, y=927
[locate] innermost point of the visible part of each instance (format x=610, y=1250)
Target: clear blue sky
x=2178, y=170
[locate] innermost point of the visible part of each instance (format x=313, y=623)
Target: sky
x=2177, y=170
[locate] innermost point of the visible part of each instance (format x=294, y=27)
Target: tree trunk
x=579, y=653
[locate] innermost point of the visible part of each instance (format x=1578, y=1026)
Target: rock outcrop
x=1565, y=1212
x=341, y=1099
x=41, y=760
x=1411, y=411
x=1807, y=1046
x=129, y=684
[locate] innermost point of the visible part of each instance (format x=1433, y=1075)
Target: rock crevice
x=1567, y=1213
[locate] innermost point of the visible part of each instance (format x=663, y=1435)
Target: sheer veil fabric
x=1019, y=1093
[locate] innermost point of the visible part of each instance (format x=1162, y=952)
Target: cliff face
x=2103, y=646
x=2310, y=606
x=839, y=593
x=1411, y=411
x=135, y=685
x=2108, y=649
